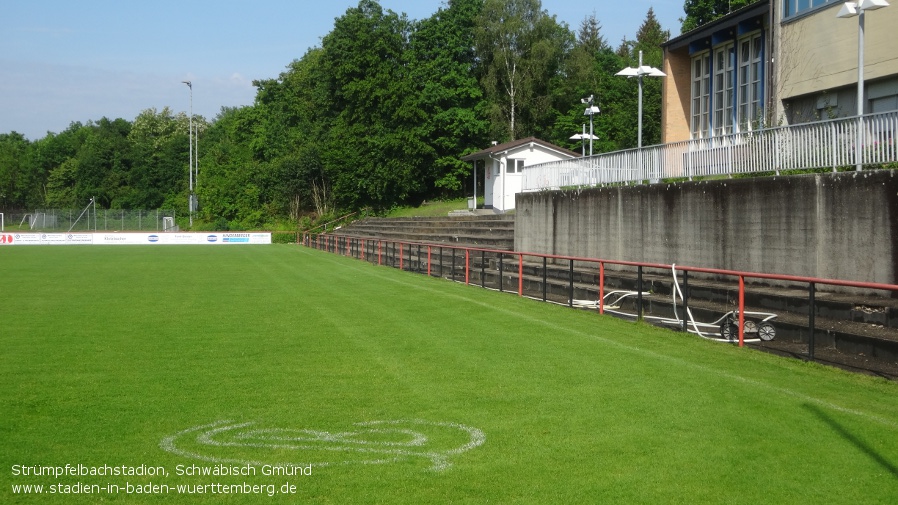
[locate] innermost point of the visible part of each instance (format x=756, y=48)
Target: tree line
x=377, y=116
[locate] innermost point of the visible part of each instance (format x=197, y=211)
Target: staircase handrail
x=325, y=225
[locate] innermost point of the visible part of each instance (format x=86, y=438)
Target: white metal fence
x=92, y=220
x=825, y=144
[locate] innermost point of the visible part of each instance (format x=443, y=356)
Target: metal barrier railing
x=92, y=219
x=827, y=144
x=505, y=271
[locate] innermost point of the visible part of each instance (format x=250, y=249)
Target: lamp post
x=190, y=197
x=639, y=72
x=850, y=10
x=591, y=110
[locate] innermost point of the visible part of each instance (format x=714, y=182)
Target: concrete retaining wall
x=835, y=226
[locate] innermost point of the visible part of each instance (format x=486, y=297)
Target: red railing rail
x=362, y=244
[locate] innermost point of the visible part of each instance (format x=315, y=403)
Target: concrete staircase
x=490, y=231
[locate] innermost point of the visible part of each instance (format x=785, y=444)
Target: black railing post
x=452, y=272
x=482, y=269
x=570, y=300
x=812, y=289
x=639, y=293
x=500, y=272
x=685, y=299
x=544, y=278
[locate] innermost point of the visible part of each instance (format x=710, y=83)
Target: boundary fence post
x=452, y=272
x=812, y=293
x=482, y=268
x=501, y=273
x=685, y=299
x=741, y=311
x=570, y=300
x=639, y=293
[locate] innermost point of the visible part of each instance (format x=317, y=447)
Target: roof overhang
x=733, y=19
x=496, y=150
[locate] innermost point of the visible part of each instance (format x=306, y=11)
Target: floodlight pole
x=849, y=10
x=590, y=111
x=639, y=72
x=859, y=153
x=582, y=143
x=190, y=167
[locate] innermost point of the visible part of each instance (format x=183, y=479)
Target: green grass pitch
x=355, y=383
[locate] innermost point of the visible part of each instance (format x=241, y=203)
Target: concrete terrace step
x=490, y=231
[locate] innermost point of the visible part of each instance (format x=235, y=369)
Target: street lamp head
x=641, y=71
x=848, y=10
x=852, y=9
x=872, y=5
x=651, y=71
x=188, y=83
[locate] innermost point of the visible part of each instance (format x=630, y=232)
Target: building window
x=724, y=88
x=750, y=80
x=514, y=166
x=793, y=7
x=701, y=94
x=730, y=86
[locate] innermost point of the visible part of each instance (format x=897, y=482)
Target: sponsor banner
x=45, y=238
x=26, y=238
x=120, y=238
x=131, y=238
x=79, y=238
x=8, y=238
x=53, y=238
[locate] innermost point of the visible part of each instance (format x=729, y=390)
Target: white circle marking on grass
x=385, y=441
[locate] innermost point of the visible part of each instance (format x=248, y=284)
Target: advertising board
x=133, y=238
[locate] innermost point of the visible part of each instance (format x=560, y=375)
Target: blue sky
x=63, y=61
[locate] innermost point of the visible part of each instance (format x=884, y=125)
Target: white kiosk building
x=503, y=166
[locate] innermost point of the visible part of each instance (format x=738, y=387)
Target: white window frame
x=724, y=88
x=750, y=73
x=700, y=71
x=514, y=166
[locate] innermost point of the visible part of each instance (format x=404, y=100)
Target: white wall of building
x=504, y=176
